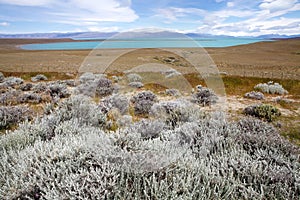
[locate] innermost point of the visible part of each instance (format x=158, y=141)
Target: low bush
x=263, y=111
x=39, y=77
x=136, y=84
x=26, y=87
x=118, y=101
x=12, y=115
x=254, y=95
x=134, y=78
x=143, y=101
x=104, y=87
x=13, y=81
x=2, y=77
x=171, y=73
x=271, y=88
x=30, y=98
x=10, y=97
x=204, y=96
x=173, y=92
x=58, y=90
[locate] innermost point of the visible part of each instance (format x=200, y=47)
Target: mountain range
x=140, y=34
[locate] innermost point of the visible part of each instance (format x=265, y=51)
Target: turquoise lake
x=143, y=43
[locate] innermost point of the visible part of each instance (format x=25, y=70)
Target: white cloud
x=103, y=29
x=74, y=11
x=4, y=24
x=174, y=13
x=27, y=2
x=276, y=5
x=230, y=4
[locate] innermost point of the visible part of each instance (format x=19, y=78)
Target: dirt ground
x=278, y=59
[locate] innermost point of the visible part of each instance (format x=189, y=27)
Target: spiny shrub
x=204, y=96
x=90, y=77
x=12, y=115
x=2, y=77
x=143, y=101
x=263, y=111
x=39, y=77
x=148, y=129
x=26, y=87
x=172, y=112
x=87, y=89
x=271, y=88
x=173, y=92
x=58, y=90
x=30, y=98
x=87, y=77
x=136, y=84
x=134, y=78
x=13, y=81
x=254, y=95
x=118, y=101
x=104, y=87
x=171, y=73
x=40, y=88
x=10, y=97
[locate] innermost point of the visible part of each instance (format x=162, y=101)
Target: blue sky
x=229, y=17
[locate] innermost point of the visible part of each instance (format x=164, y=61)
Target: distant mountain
x=76, y=35
x=137, y=34
x=277, y=36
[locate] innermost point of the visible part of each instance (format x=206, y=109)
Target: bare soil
x=278, y=59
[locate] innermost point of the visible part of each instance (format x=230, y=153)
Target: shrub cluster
x=263, y=111
x=271, y=88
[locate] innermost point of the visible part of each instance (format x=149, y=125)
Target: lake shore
x=277, y=59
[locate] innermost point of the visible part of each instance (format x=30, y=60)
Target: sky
x=217, y=17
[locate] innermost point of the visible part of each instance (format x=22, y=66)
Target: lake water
x=143, y=43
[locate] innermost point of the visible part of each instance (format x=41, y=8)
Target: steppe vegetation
x=86, y=139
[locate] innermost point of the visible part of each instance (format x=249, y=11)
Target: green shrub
x=263, y=111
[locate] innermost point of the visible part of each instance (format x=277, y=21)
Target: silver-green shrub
x=12, y=115
x=136, y=84
x=254, y=95
x=39, y=77
x=2, y=77
x=134, y=78
x=271, y=88
x=118, y=101
x=204, y=96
